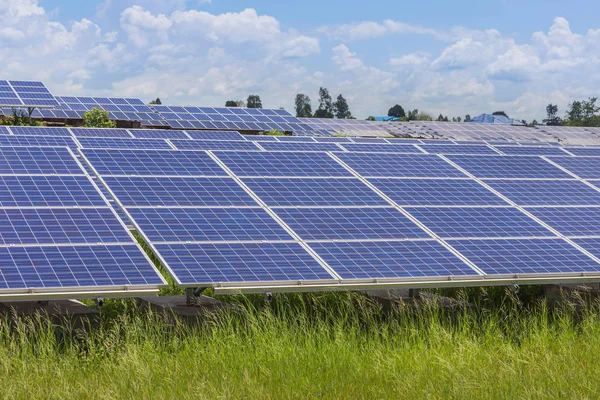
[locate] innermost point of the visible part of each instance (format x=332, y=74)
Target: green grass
x=313, y=346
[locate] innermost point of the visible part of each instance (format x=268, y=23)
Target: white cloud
x=370, y=29
x=413, y=59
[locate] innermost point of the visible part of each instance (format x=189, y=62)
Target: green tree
x=500, y=113
x=397, y=111
x=341, y=108
x=440, y=118
x=303, y=107
x=423, y=116
x=157, y=101
x=325, y=109
x=370, y=118
x=231, y=103
x=413, y=115
x=97, y=118
x=467, y=118
x=22, y=118
x=534, y=122
x=254, y=101
x=458, y=119
x=583, y=113
x=552, y=117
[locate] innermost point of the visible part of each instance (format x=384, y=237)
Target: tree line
x=579, y=113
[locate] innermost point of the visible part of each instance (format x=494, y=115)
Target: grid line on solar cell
x=436, y=192
x=583, y=167
x=525, y=256
x=408, y=165
x=241, y=262
x=216, y=135
x=478, y=222
x=350, y=223
x=274, y=146
x=542, y=193
x=48, y=191
x=382, y=148
x=75, y=266
x=208, y=225
x=285, y=192
x=60, y=226
x=531, y=151
x=282, y=164
x=158, y=134
x=509, y=167
x=37, y=141
x=173, y=192
x=570, y=221
x=40, y=131
x=100, y=133
x=371, y=260
x=124, y=143
x=214, y=145
x=37, y=160
x=457, y=149
x=153, y=162
x=590, y=245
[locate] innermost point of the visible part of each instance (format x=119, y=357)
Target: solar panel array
x=25, y=94
x=125, y=109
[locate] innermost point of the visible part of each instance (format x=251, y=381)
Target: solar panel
x=75, y=267
x=282, y=164
x=100, y=133
x=370, y=260
x=272, y=146
x=37, y=141
x=382, y=148
x=583, y=167
x=531, y=151
x=457, y=149
x=437, y=192
x=369, y=140
x=208, y=225
x=48, y=191
x=40, y=131
x=4, y=130
x=525, y=256
x=583, y=152
x=551, y=193
x=158, y=134
x=173, y=192
x=118, y=108
x=153, y=162
x=113, y=143
x=332, y=140
x=508, y=167
x=215, y=135
x=570, y=221
x=407, y=165
x=214, y=145
x=195, y=264
x=478, y=222
x=261, y=138
x=37, y=160
x=590, y=244
x=26, y=94
x=286, y=192
x=295, y=139
x=350, y=223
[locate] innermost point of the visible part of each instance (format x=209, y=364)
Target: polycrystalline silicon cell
x=525, y=256
x=583, y=167
x=286, y=192
x=40, y=131
x=153, y=162
x=37, y=160
x=241, y=262
x=4, y=130
x=98, y=132
x=350, y=223
x=591, y=245
x=208, y=224
x=570, y=221
x=113, y=143
x=531, y=151
x=551, y=193
x=262, y=138
x=48, y=191
x=370, y=260
x=508, y=167
x=271, y=146
x=75, y=266
x=295, y=139
x=332, y=140
x=478, y=222
x=382, y=148
x=215, y=135
x=282, y=164
x=582, y=151
x=214, y=145
x=400, y=165
x=60, y=226
x=158, y=134
x=456, y=149
x=172, y=192
x=37, y=141
x=436, y=192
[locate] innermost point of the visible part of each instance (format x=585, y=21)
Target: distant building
x=495, y=119
x=385, y=119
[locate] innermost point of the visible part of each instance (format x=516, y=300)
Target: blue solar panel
x=508, y=167
x=215, y=135
x=583, y=167
x=401, y=141
x=214, y=145
x=551, y=193
x=590, y=244
x=26, y=93
x=4, y=130
x=75, y=266
x=153, y=162
x=196, y=264
x=34, y=160
x=172, y=192
x=478, y=222
x=456, y=149
x=332, y=140
x=362, y=260
x=100, y=133
x=350, y=223
x=314, y=192
x=158, y=134
x=437, y=192
x=282, y=164
x=40, y=131
x=525, y=256
x=208, y=224
x=272, y=146
x=531, y=151
x=113, y=143
x=570, y=221
x=583, y=152
x=47, y=191
x=60, y=226
x=41, y=141
x=382, y=148
x=295, y=139
x=261, y=138
x=397, y=165
x=369, y=140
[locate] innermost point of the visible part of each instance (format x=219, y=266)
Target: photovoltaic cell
x=332, y=140
x=158, y=134
x=583, y=151
x=287, y=192
x=100, y=133
x=457, y=149
x=216, y=135
x=478, y=222
x=303, y=139
x=531, y=151
x=261, y=138
x=40, y=131
x=508, y=167
x=272, y=146
x=350, y=223
x=397, y=165
x=591, y=245
x=214, y=145
x=382, y=148
x=241, y=262
x=114, y=143
x=35, y=160
x=570, y=221
x=550, y=193
x=153, y=162
x=37, y=141
x=583, y=167
x=48, y=191
x=436, y=192
x=370, y=260
x=4, y=130
x=525, y=256
x=173, y=192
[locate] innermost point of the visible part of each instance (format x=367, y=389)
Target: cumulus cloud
x=370, y=30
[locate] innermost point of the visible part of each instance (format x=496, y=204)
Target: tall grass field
x=317, y=346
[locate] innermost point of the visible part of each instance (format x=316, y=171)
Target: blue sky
x=454, y=58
